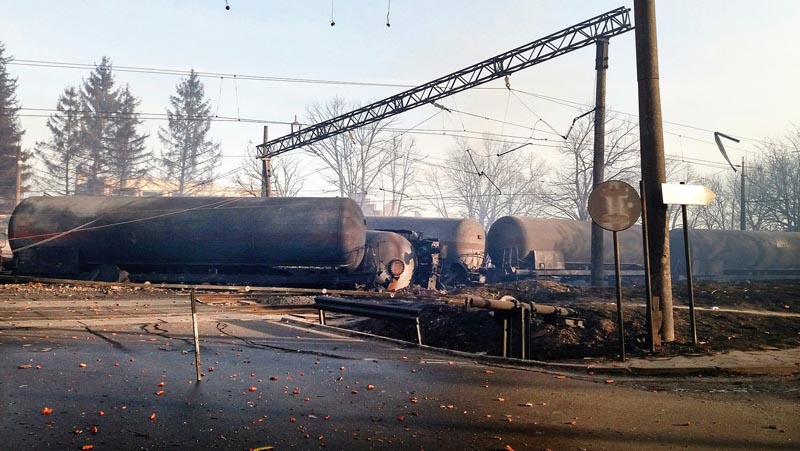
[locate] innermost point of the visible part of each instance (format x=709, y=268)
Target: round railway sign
x=614, y=205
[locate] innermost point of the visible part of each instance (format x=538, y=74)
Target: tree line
x=95, y=144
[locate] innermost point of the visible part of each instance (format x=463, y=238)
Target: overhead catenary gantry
x=604, y=26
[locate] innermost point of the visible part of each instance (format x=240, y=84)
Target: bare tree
x=286, y=175
x=569, y=191
x=777, y=186
x=400, y=175
x=354, y=160
x=485, y=186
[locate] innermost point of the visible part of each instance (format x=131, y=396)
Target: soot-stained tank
x=187, y=234
x=390, y=258
x=536, y=243
x=462, y=242
x=733, y=253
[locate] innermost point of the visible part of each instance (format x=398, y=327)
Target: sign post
x=615, y=206
x=688, y=195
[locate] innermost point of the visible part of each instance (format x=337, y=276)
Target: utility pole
x=651, y=135
x=598, y=168
x=18, y=192
x=743, y=202
x=266, y=170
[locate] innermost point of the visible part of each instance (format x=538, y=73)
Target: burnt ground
x=475, y=330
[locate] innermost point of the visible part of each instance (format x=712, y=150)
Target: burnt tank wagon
x=520, y=245
x=462, y=242
x=389, y=260
x=735, y=254
x=293, y=241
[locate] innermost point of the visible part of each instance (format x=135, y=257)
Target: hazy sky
x=729, y=66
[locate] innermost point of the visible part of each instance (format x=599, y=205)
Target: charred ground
x=753, y=326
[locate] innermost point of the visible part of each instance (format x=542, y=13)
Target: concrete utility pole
x=598, y=168
x=743, y=202
x=266, y=170
x=651, y=135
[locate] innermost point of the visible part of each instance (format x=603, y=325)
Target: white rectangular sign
x=677, y=194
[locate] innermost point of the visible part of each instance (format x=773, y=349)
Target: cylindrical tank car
x=287, y=241
x=518, y=245
x=734, y=254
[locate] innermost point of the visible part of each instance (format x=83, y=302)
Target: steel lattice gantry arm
x=604, y=26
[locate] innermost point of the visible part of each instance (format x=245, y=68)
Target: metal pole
x=598, y=167
x=743, y=202
x=653, y=339
x=689, y=280
x=266, y=170
x=197, y=363
x=620, y=325
x=651, y=135
x=18, y=192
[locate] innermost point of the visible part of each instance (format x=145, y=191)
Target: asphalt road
x=127, y=369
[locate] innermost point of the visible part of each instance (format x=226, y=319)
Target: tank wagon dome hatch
x=179, y=236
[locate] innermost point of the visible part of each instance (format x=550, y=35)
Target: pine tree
x=10, y=136
x=128, y=157
x=100, y=101
x=62, y=154
x=189, y=157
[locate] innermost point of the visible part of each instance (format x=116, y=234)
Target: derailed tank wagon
x=273, y=241
x=521, y=246
x=461, y=243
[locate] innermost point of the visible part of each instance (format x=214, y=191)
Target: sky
x=725, y=65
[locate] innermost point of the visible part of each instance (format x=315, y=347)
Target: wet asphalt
x=91, y=380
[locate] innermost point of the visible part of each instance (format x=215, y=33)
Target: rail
x=384, y=311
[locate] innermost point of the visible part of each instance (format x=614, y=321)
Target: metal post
x=620, y=325
x=419, y=332
x=322, y=317
x=18, y=192
x=653, y=338
x=197, y=364
x=598, y=167
x=689, y=280
x=743, y=204
x=505, y=334
x=653, y=170
x=266, y=170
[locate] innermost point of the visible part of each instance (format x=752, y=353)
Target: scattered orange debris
x=152, y=416
x=77, y=431
x=561, y=377
x=116, y=363
x=296, y=391
x=306, y=399
x=85, y=447
x=501, y=399
x=38, y=367
x=161, y=384
x=370, y=387
x=82, y=365
x=47, y=411
x=401, y=418
x=124, y=407
x=94, y=430
x=25, y=367
x=101, y=413
x=355, y=392
x=609, y=381
x=414, y=400
x=160, y=392
x=292, y=420
x=489, y=372
x=253, y=389
x=508, y=448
